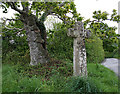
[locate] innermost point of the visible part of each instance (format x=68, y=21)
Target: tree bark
x=37, y=44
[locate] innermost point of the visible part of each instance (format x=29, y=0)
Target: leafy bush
x=94, y=50
x=15, y=57
x=12, y=41
x=114, y=54
x=61, y=46
x=103, y=31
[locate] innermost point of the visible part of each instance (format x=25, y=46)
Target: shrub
x=15, y=57
x=114, y=54
x=61, y=46
x=94, y=50
x=12, y=41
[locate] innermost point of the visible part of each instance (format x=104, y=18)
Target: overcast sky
x=86, y=8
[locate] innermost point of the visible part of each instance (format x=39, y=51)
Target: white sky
x=86, y=8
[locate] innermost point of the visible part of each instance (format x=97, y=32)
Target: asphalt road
x=113, y=64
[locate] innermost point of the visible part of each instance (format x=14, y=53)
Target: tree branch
x=57, y=16
x=13, y=28
x=5, y=19
x=64, y=20
x=44, y=15
x=61, y=4
x=51, y=12
x=13, y=6
x=25, y=8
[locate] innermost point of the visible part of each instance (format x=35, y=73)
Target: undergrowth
x=57, y=77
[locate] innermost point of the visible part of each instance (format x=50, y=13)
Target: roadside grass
x=57, y=77
x=103, y=77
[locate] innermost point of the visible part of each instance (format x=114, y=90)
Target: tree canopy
x=41, y=10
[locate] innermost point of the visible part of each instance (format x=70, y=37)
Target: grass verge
x=55, y=78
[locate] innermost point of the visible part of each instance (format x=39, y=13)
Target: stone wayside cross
x=79, y=53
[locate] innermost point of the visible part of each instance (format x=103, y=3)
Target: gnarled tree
x=33, y=15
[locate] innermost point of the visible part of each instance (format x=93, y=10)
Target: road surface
x=113, y=64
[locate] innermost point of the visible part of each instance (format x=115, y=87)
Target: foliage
x=43, y=9
x=22, y=62
x=14, y=44
x=41, y=78
x=103, y=31
x=14, y=39
x=14, y=82
x=57, y=82
x=114, y=54
x=61, y=46
x=94, y=49
x=16, y=79
x=32, y=15
x=15, y=57
x=57, y=75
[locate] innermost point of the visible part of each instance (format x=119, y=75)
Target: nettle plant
x=101, y=29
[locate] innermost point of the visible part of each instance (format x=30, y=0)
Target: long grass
x=104, y=78
x=100, y=79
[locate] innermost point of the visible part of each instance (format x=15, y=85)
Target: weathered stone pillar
x=79, y=53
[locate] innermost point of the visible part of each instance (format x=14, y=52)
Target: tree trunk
x=38, y=52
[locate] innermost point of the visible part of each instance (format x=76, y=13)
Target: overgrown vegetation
x=106, y=33
x=61, y=46
x=103, y=77
x=57, y=76
x=94, y=49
